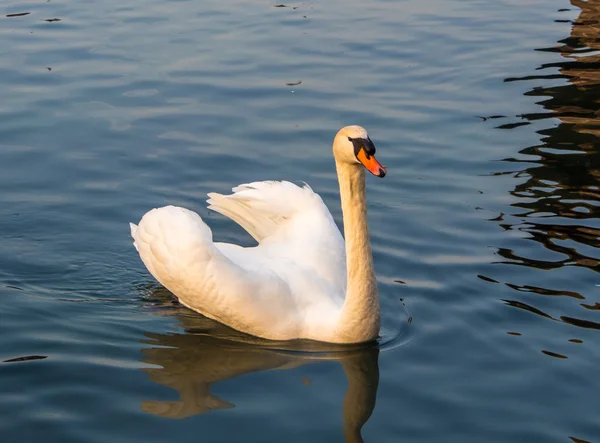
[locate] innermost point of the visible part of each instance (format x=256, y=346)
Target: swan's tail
x=177, y=248
x=172, y=243
x=133, y=229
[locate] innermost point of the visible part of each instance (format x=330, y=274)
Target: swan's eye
x=350, y=139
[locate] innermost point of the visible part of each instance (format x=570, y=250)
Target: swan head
x=352, y=145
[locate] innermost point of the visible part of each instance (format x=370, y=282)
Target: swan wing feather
x=262, y=207
x=291, y=222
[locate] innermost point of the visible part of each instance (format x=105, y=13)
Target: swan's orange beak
x=371, y=163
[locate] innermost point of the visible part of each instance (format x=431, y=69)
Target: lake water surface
x=485, y=231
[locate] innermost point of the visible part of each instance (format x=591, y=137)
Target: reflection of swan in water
x=209, y=352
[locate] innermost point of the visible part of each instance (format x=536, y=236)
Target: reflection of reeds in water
x=208, y=352
x=559, y=199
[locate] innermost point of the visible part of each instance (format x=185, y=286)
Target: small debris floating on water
x=18, y=14
x=299, y=82
x=50, y=20
x=554, y=354
x=400, y=281
x=26, y=358
x=48, y=68
x=488, y=279
x=281, y=5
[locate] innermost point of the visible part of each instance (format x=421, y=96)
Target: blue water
x=485, y=231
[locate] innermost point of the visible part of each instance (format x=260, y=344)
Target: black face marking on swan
x=363, y=143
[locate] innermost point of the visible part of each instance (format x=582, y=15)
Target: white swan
x=300, y=281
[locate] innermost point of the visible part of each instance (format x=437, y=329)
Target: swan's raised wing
x=177, y=248
x=261, y=208
x=289, y=222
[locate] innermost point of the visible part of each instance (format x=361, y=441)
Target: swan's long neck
x=360, y=316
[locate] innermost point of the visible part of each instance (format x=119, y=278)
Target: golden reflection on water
x=559, y=197
x=209, y=352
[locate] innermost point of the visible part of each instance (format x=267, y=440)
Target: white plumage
x=293, y=284
x=297, y=269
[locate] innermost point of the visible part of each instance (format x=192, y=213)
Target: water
x=485, y=230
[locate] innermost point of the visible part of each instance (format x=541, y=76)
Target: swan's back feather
x=177, y=248
x=262, y=207
x=291, y=285
x=291, y=222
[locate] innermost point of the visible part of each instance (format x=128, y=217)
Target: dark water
x=487, y=115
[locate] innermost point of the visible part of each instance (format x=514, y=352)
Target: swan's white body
x=294, y=284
